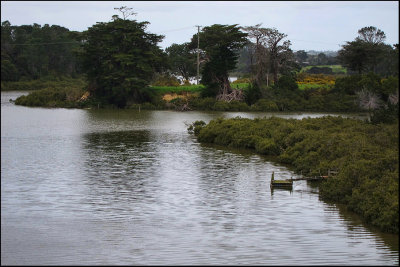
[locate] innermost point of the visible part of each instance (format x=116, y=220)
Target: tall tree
x=245, y=61
x=126, y=11
x=182, y=61
x=35, y=52
x=354, y=55
x=301, y=56
x=366, y=52
x=221, y=44
x=9, y=71
x=260, y=56
x=280, y=53
x=371, y=35
x=271, y=53
x=322, y=59
x=120, y=58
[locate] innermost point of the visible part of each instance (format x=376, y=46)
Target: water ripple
x=146, y=192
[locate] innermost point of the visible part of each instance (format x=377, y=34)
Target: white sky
x=310, y=25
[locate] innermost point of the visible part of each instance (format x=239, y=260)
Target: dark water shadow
x=120, y=169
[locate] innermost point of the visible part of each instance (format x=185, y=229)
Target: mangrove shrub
x=364, y=154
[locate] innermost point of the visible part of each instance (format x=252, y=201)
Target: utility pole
x=198, y=50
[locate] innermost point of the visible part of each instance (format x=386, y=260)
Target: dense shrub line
x=344, y=96
x=365, y=155
x=64, y=94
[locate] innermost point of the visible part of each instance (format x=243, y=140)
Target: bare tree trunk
x=226, y=92
x=225, y=87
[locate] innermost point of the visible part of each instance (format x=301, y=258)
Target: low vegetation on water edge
x=177, y=89
x=377, y=96
x=64, y=94
x=364, y=154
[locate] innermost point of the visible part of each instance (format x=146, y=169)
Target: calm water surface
x=92, y=187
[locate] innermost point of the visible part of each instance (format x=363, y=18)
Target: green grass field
x=190, y=88
x=177, y=89
x=314, y=85
x=335, y=68
x=197, y=88
x=239, y=85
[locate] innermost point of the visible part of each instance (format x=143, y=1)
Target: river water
x=117, y=187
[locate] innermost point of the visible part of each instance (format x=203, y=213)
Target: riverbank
x=365, y=156
x=68, y=94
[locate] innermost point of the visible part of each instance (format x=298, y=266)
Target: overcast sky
x=310, y=25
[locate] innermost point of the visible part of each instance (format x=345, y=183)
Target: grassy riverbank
x=320, y=93
x=62, y=93
x=365, y=155
x=67, y=94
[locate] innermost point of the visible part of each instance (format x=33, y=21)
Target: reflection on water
x=127, y=187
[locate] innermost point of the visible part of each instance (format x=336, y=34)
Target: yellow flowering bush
x=304, y=78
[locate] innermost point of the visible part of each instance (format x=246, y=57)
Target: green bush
x=252, y=94
x=365, y=154
x=64, y=93
x=242, y=80
x=347, y=85
x=48, y=97
x=389, y=87
x=196, y=127
x=210, y=91
x=206, y=103
x=221, y=106
x=388, y=114
x=165, y=80
x=286, y=82
x=267, y=146
x=264, y=105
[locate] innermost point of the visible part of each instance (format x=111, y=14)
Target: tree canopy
x=34, y=51
x=182, y=60
x=120, y=58
x=221, y=44
x=371, y=35
x=368, y=52
x=271, y=53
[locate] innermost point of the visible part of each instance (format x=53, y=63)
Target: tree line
x=120, y=59
x=31, y=52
